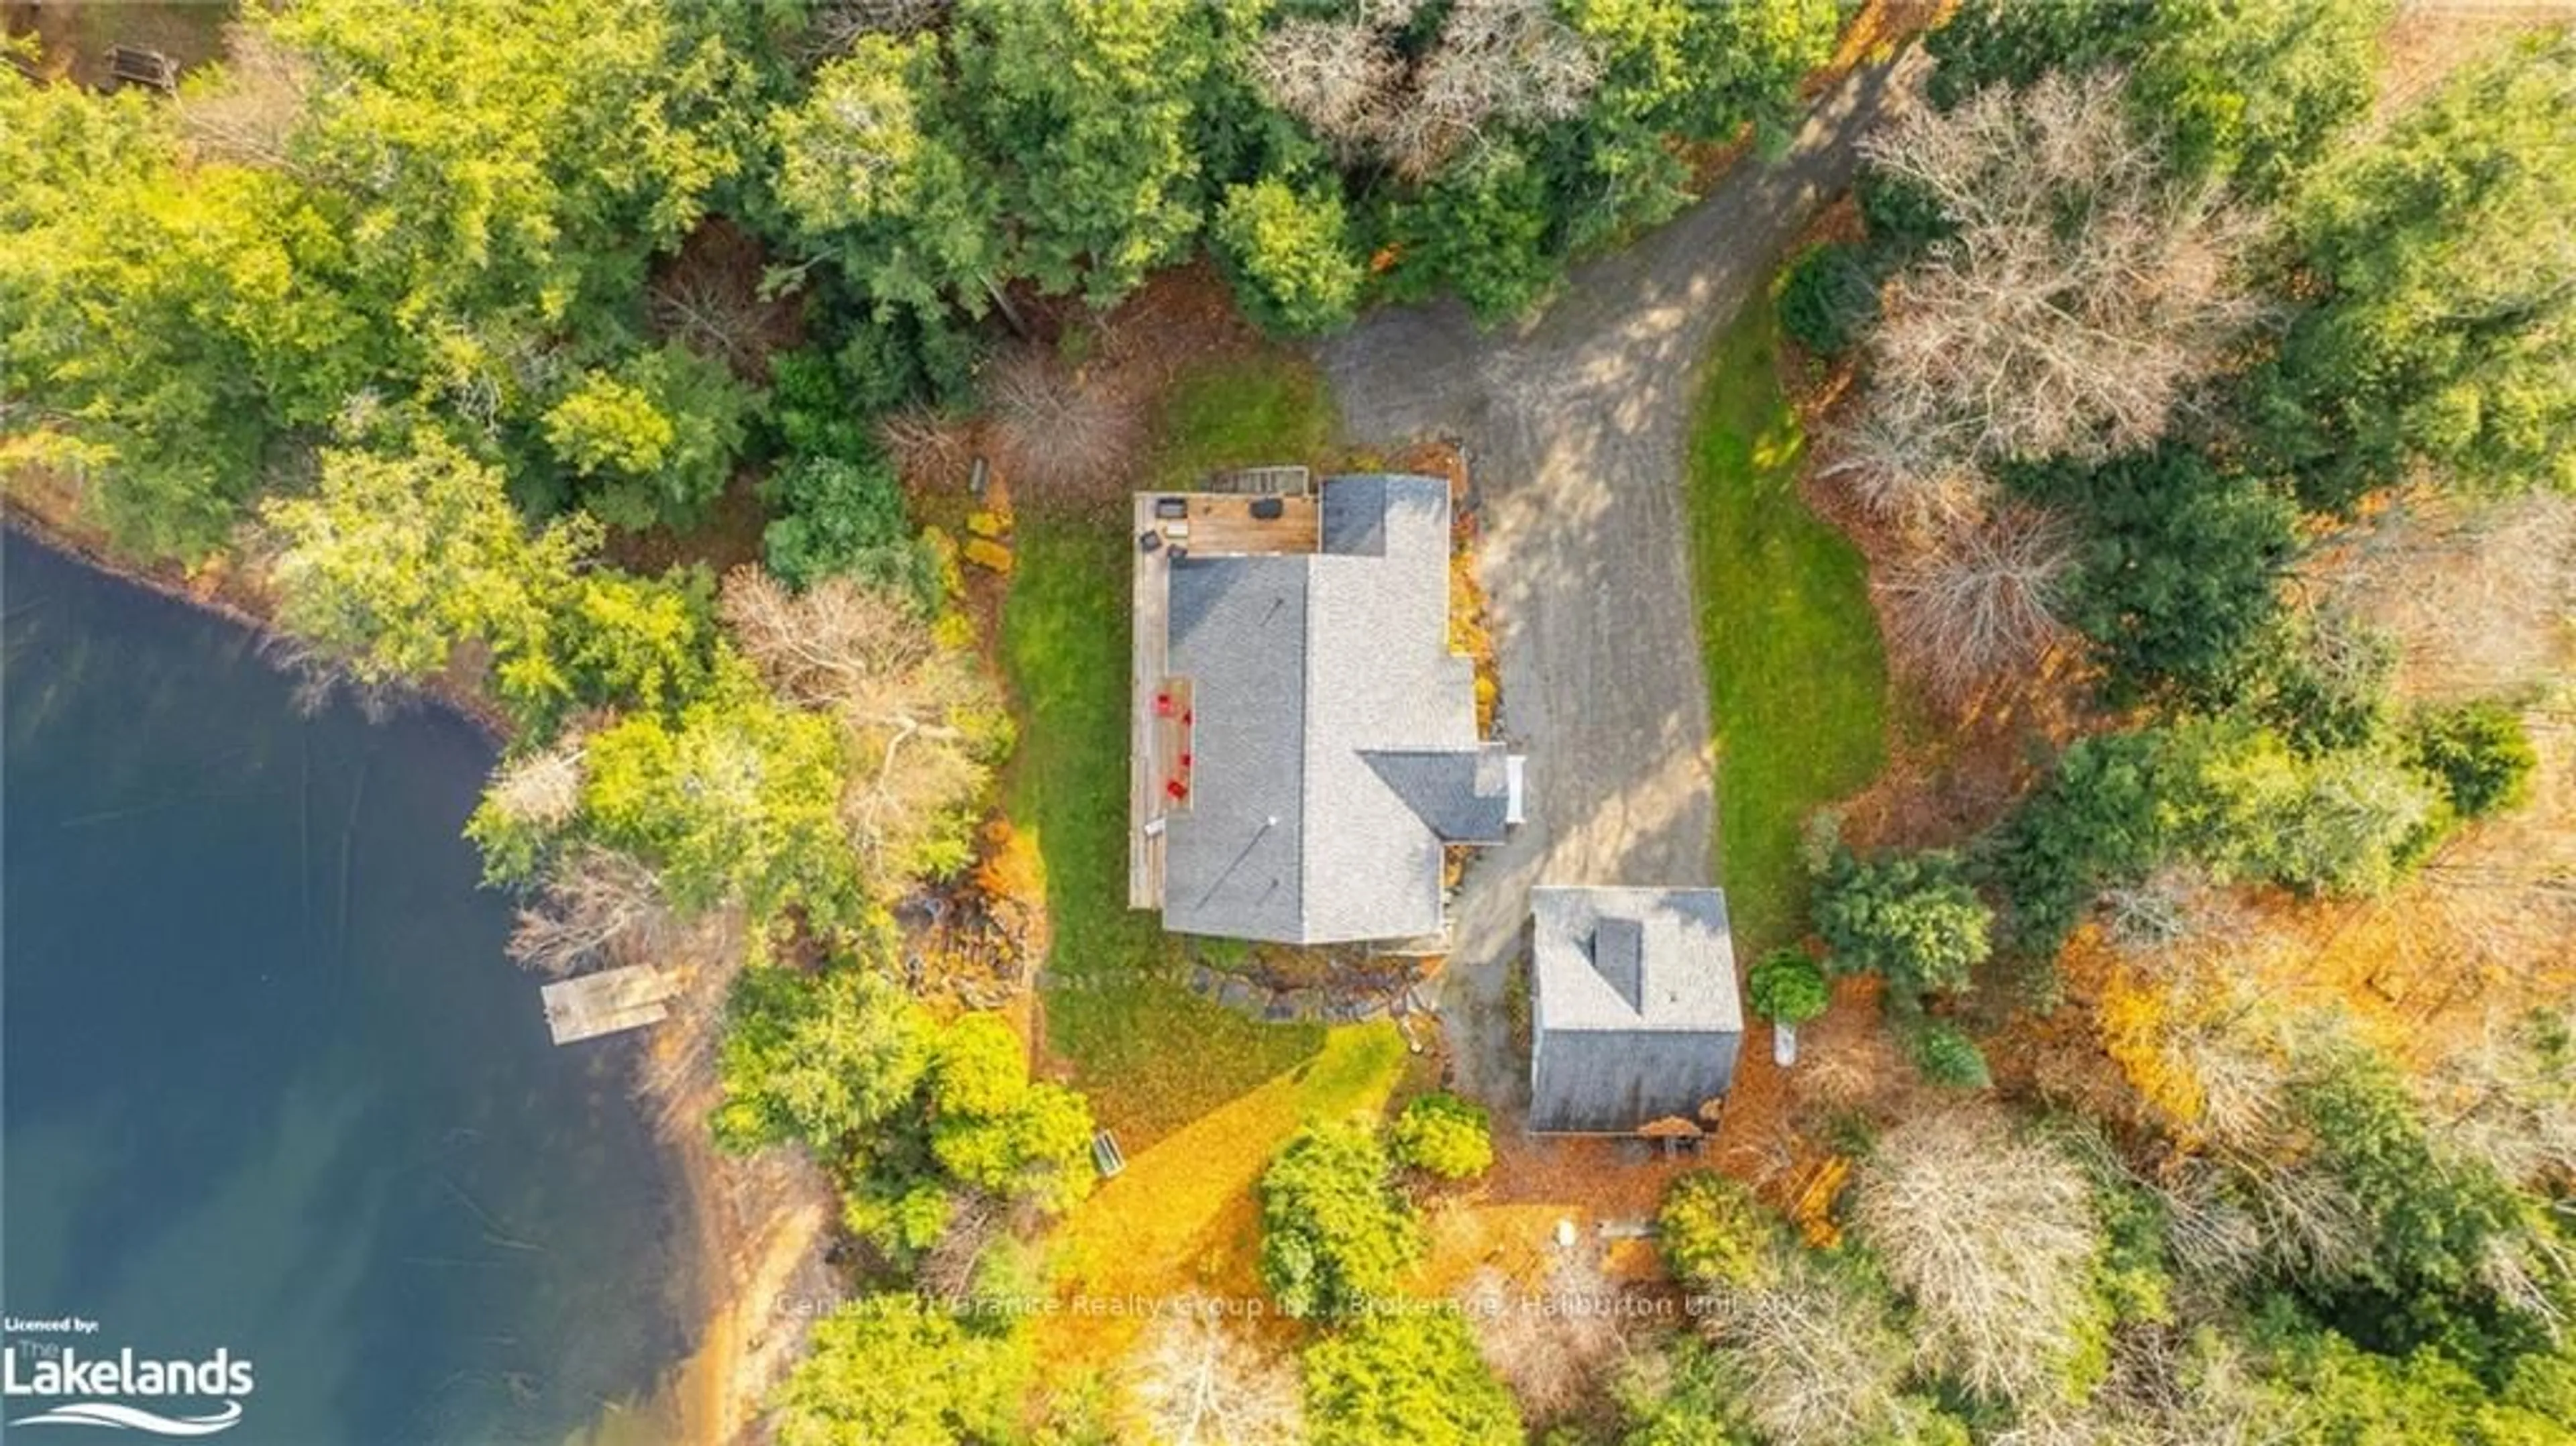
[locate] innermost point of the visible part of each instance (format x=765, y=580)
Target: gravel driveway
x=1574, y=426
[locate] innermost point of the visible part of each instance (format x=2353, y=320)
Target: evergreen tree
x=817, y=1060
x=1444, y=1135
x=1408, y=1379
x=1910, y=918
x=1086, y=106
x=1290, y=254
x=2444, y=325
x=398, y=559
x=894, y=1370
x=1334, y=1235
x=873, y=174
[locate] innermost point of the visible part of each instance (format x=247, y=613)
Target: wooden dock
x=590, y=1005
x=1208, y=524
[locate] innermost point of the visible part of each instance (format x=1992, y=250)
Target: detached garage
x=1635, y=1019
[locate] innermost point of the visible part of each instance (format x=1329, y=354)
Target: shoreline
x=219, y=589
x=55, y=533
x=762, y=1223
x=759, y=1223
x=769, y=1261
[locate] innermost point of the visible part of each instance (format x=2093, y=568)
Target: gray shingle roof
x=1634, y=1010
x=1618, y=949
x=1335, y=746
x=1353, y=516
x=1238, y=631
x=1463, y=795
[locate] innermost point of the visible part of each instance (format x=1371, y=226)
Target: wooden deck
x=1221, y=526
x=1148, y=666
x=1212, y=525
x=590, y=1005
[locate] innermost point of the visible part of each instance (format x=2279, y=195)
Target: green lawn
x=1242, y=412
x=1151, y=1054
x=1797, y=680
x=1183, y=1216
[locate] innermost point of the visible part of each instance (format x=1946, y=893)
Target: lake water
x=270, y=1084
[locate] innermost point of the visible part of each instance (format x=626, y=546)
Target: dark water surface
x=270, y=1084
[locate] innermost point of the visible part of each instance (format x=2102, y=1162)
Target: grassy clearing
x=1183, y=1215
x=1797, y=679
x=1151, y=1054
x=1242, y=412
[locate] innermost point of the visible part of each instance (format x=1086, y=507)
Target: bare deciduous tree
x=2079, y=298
x=716, y=313
x=1820, y=1364
x=598, y=905
x=541, y=790
x=2311, y=1225
x=2527, y=1271
x=1199, y=1379
x=678, y=1071
x=2213, y=1057
x=1512, y=61
x=926, y=445
x=1058, y=431
x=1495, y=62
x=2172, y=908
x=2212, y=1235
x=322, y=676
x=947, y=1270
x=2476, y=591
x=1980, y=601
x=1338, y=76
x=836, y=25
x=2164, y=1387
x=839, y=645
x=2510, y=1099
x=1903, y=458
x=1388, y=14
x=1994, y=1237
x=249, y=113
x=921, y=714
x=2501, y=902
x=2260, y=1196
x=1551, y=1345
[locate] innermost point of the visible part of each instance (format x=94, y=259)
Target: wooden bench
x=134, y=65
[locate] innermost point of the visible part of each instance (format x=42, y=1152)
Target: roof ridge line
x=1306, y=734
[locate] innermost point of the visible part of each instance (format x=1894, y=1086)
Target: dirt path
x=1574, y=425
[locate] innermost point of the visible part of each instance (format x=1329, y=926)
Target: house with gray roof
x=1307, y=746
x=1635, y=1020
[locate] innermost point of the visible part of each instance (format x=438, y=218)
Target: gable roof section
x=1685, y=975
x=1238, y=631
x=1463, y=794
x=1323, y=820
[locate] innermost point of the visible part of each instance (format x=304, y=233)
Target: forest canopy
x=584, y=362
